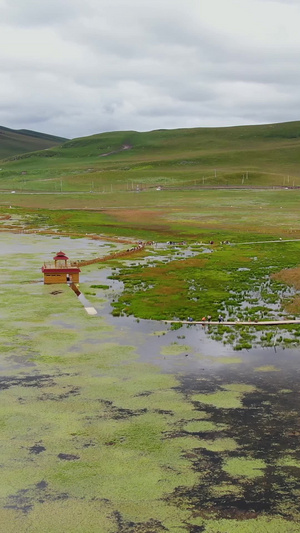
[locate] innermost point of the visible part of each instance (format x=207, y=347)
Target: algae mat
x=112, y=425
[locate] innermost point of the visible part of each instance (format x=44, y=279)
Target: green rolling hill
x=13, y=142
x=265, y=155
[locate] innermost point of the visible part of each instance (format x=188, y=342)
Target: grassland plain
x=97, y=438
x=166, y=215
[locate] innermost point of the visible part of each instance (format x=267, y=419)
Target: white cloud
x=79, y=67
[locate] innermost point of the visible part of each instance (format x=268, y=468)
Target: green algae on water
x=267, y=368
x=229, y=397
x=289, y=461
x=226, y=488
x=263, y=524
x=219, y=445
x=243, y=467
x=227, y=360
x=221, y=399
x=175, y=349
x=201, y=426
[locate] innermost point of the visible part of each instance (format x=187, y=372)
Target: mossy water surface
x=96, y=436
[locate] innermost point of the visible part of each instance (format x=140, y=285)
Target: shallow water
x=43, y=246
x=123, y=425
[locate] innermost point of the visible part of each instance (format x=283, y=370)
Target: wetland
x=121, y=423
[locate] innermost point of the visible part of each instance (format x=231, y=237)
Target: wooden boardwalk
x=113, y=255
x=236, y=323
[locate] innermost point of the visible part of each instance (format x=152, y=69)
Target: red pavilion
x=61, y=271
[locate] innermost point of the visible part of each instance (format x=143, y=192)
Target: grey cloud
x=92, y=66
x=36, y=12
x=195, y=93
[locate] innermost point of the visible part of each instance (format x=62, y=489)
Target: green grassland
x=252, y=156
x=206, y=215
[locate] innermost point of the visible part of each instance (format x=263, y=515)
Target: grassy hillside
x=130, y=183
x=264, y=155
x=13, y=142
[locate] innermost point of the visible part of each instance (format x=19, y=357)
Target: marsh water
x=122, y=425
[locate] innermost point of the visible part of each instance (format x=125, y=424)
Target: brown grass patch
x=293, y=306
x=290, y=276
x=166, y=270
x=169, y=290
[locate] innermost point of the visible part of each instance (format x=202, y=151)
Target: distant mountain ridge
x=14, y=142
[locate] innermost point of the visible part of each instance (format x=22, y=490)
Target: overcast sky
x=78, y=67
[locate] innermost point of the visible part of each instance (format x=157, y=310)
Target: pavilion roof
x=61, y=256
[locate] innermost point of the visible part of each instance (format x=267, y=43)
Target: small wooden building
x=61, y=271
